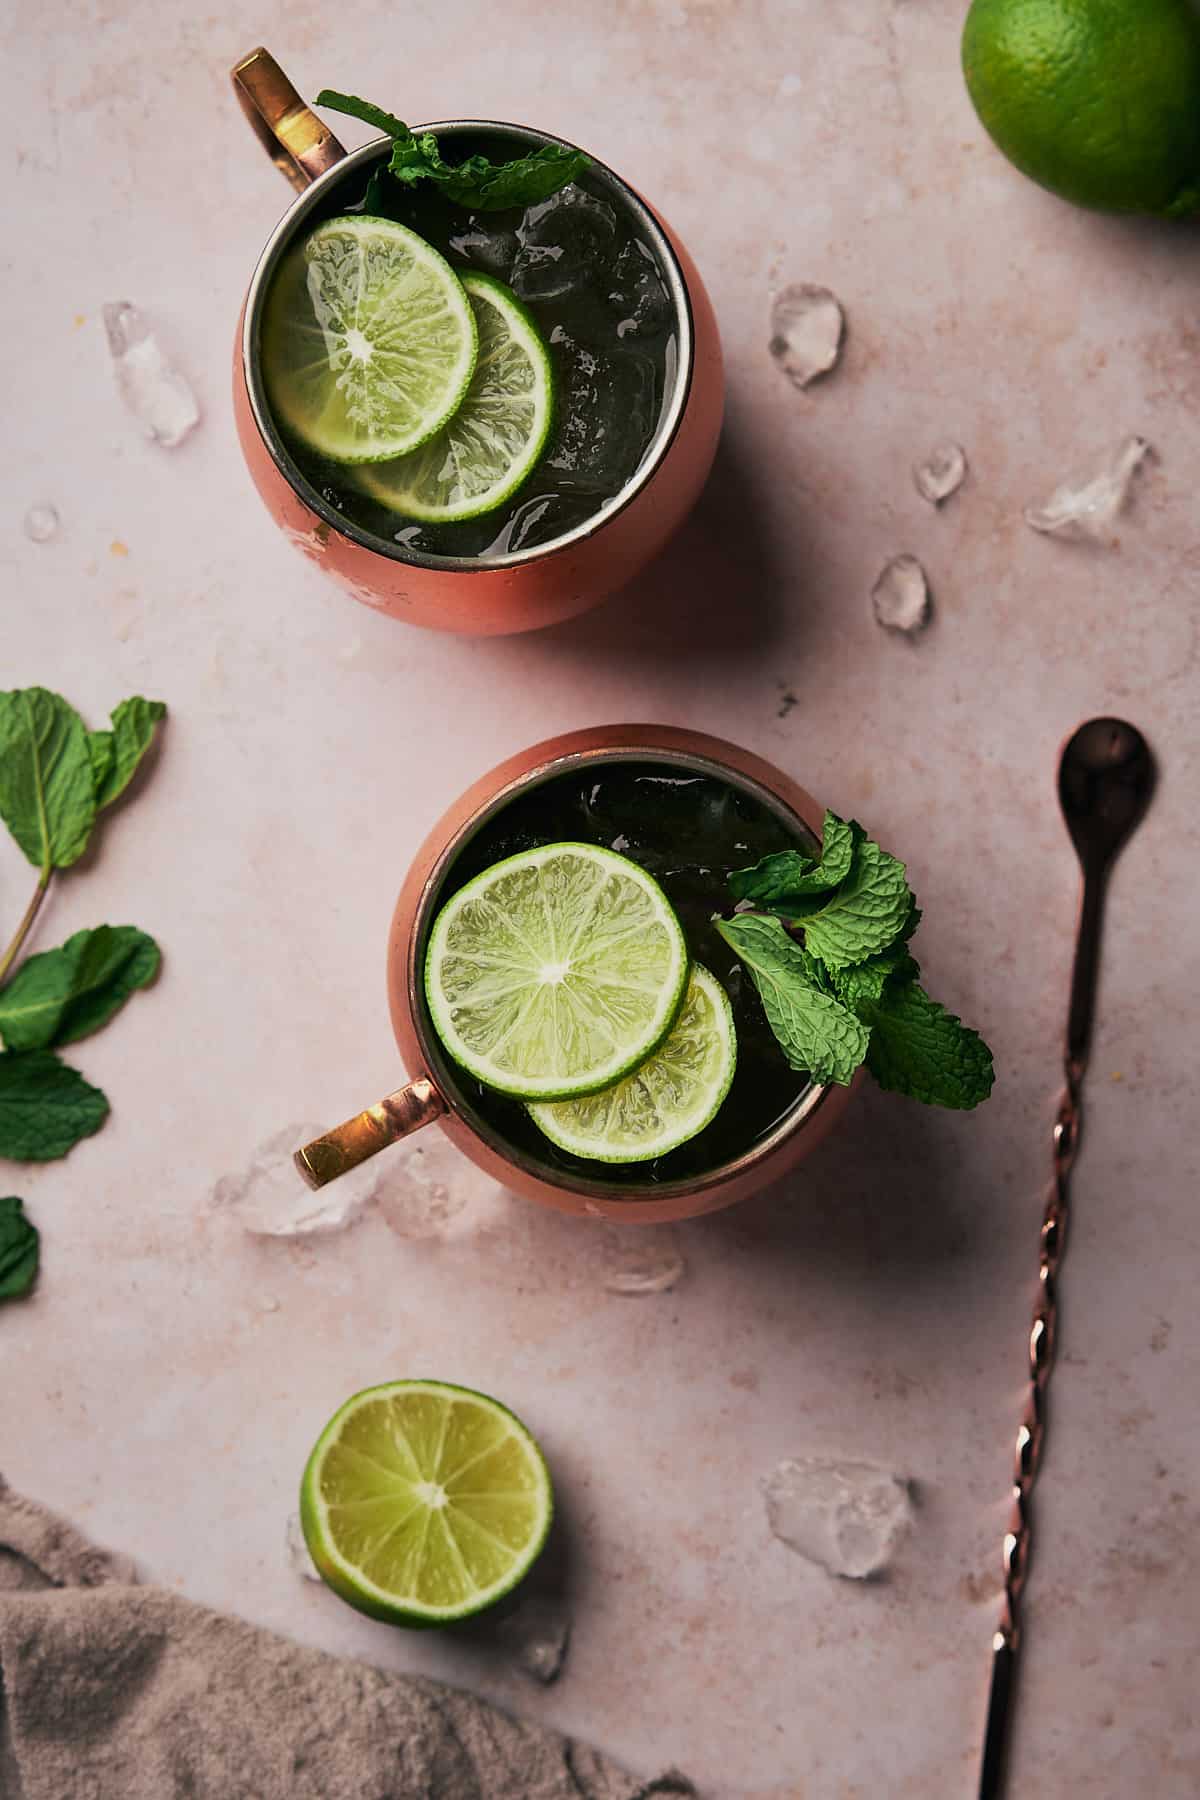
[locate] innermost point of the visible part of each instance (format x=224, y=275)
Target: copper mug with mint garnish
x=476, y=379
x=635, y=972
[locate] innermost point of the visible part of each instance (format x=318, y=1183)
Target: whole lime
x=1097, y=100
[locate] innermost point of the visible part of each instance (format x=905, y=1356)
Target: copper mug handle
x=291, y=133
x=368, y=1132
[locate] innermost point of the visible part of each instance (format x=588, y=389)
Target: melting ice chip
x=901, y=596
x=847, y=1517
x=299, y=1560
x=536, y=1636
x=942, y=473
x=641, y=1259
x=1087, y=505
x=41, y=523
x=807, y=329
x=152, y=388
x=428, y=1185
x=269, y=1199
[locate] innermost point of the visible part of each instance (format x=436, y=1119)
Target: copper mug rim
x=433, y=1090
x=669, y=422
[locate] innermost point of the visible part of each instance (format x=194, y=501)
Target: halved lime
x=481, y=456
x=671, y=1098
x=555, y=972
x=368, y=340
x=423, y=1503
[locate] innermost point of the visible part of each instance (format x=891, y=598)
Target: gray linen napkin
x=109, y=1691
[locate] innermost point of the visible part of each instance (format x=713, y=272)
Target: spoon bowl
x=1105, y=784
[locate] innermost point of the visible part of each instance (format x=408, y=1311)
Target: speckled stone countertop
x=165, y=1384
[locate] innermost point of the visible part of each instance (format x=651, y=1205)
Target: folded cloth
x=111, y=1691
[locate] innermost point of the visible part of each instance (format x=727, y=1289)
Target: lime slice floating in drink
x=671, y=1098
x=368, y=342
x=424, y=1503
x=555, y=972
x=481, y=456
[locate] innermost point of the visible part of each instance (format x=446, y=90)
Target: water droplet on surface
x=299, y=1560
x=942, y=472
x=641, y=1259
x=1086, y=506
x=269, y=1198
x=847, y=1517
x=901, y=597
x=41, y=523
x=153, y=389
x=807, y=330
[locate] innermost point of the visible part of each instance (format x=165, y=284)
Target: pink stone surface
x=877, y=1308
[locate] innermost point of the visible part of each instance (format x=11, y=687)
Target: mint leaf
x=45, y=1106
x=787, y=875
x=64, y=994
x=919, y=1049
x=19, y=1245
x=476, y=182
x=817, y=1033
x=866, y=914
x=47, y=798
x=862, y=985
x=116, y=754
x=355, y=108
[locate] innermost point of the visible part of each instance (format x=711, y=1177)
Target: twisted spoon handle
x=1043, y=1335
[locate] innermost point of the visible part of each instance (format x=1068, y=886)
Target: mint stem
x=26, y=925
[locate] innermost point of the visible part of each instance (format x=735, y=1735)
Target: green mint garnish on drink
x=476, y=182
x=831, y=962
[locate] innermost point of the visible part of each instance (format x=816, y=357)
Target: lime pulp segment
x=488, y=447
x=424, y=1503
x=368, y=340
x=668, y=1100
x=555, y=972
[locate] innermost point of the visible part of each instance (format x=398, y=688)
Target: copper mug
x=489, y=595
x=434, y=1094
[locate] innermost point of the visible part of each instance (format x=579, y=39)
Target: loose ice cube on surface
x=155, y=392
x=41, y=523
x=847, y=1517
x=901, y=596
x=299, y=1559
x=535, y=1637
x=565, y=241
x=269, y=1198
x=641, y=1259
x=807, y=330
x=430, y=1190
x=1086, y=506
x=941, y=473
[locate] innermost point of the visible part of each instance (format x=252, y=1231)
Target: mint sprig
x=827, y=949
x=476, y=182
x=56, y=779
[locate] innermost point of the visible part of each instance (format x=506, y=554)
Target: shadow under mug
x=434, y=1093
x=490, y=595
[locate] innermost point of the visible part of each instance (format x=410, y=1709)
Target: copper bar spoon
x=1105, y=783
